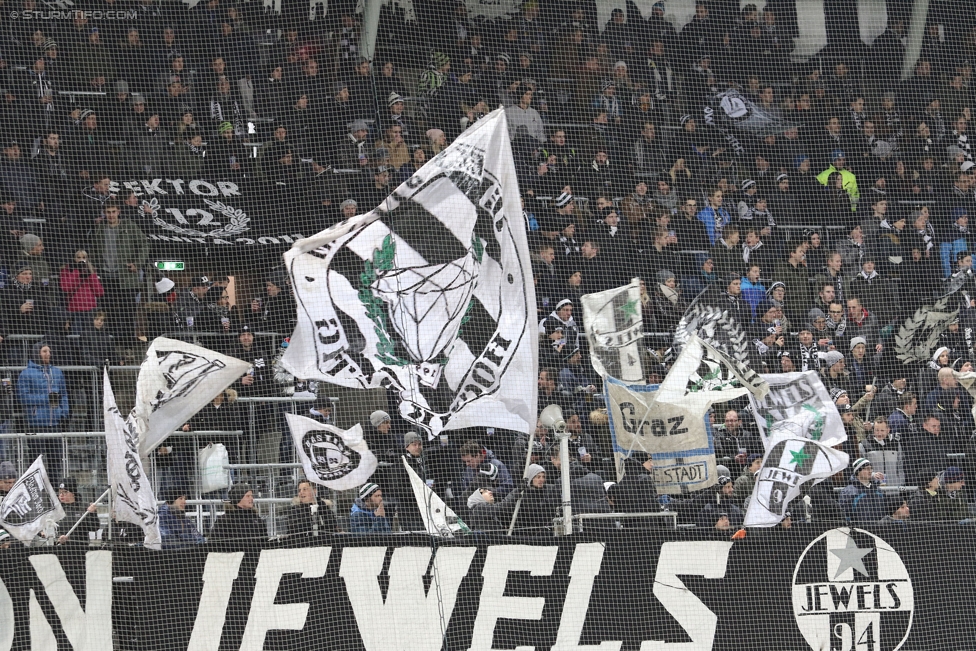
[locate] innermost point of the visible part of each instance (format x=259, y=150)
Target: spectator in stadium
x=310, y=515
x=718, y=504
x=368, y=513
x=8, y=477
x=926, y=449
x=278, y=312
x=862, y=499
x=539, y=502
x=240, y=520
x=81, y=284
x=379, y=435
x=176, y=529
x=928, y=376
x=25, y=305
x=736, y=441
x=75, y=513
x=120, y=251
x=902, y=419
x=484, y=513
x=890, y=396
x=222, y=414
x=190, y=305
x=473, y=455
x=745, y=482
x=884, y=453
x=43, y=392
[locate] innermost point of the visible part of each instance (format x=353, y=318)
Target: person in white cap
x=368, y=513
x=378, y=434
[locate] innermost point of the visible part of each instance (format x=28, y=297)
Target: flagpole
x=518, y=504
x=75, y=525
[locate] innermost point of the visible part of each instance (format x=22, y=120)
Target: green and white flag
x=614, y=327
x=797, y=405
x=439, y=518
x=789, y=463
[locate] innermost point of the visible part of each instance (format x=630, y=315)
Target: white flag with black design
x=176, y=381
x=797, y=405
x=787, y=465
x=919, y=335
x=439, y=518
x=668, y=421
x=133, y=500
x=31, y=505
x=330, y=456
x=431, y=293
x=614, y=327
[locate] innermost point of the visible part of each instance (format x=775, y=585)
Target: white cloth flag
x=614, y=326
x=968, y=381
x=788, y=464
x=431, y=293
x=330, y=456
x=176, y=380
x=797, y=405
x=133, y=500
x=669, y=421
x=32, y=505
x=439, y=518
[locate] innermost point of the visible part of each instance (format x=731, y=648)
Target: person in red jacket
x=80, y=282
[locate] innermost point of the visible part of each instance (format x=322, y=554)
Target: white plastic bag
x=211, y=461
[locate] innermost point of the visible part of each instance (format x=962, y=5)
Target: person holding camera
x=43, y=392
x=82, y=287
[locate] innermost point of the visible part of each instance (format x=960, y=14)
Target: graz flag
x=133, y=500
x=31, y=505
x=331, y=457
x=439, y=518
x=669, y=421
x=787, y=465
x=614, y=328
x=430, y=294
x=797, y=405
x=176, y=380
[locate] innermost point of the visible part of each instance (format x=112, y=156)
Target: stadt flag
x=614, y=327
x=430, y=294
x=132, y=495
x=797, y=405
x=32, y=505
x=175, y=381
x=330, y=456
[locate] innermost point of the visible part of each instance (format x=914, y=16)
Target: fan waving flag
x=176, y=381
x=31, y=505
x=669, y=421
x=331, y=457
x=133, y=499
x=788, y=464
x=430, y=294
x=614, y=327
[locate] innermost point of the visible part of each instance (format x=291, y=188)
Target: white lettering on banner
x=7, y=621
x=228, y=189
x=412, y=619
x=152, y=186
x=494, y=605
x=203, y=188
x=265, y=614
x=177, y=184
x=219, y=575
x=587, y=559
x=133, y=188
x=707, y=559
x=88, y=629
x=41, y=634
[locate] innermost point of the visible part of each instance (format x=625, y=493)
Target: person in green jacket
x=850, y=181
x=747, y=480
x=120, y=250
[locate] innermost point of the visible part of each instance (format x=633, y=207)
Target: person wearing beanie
x=176, y=529
x=379, y=435
x=833, y=372
x=32, y=253
x=862, y=500
x=636, y=492
x=25, y=307
x=75, y=513
x=398, y=486
x=716, y=505
x=309, y=515
x=474, y=456
x=278, y=313
x=539, y=503
x=240, y=520
x=745, y=482
x=368, y=514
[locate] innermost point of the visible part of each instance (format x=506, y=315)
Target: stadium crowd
x=820, y=232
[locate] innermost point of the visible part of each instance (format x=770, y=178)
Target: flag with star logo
x=614, y=327
x=789, y=463
x=797, y=404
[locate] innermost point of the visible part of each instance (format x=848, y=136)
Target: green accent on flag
x=816, y=429
x=375, y=307
x=629, y=308
x=798, y=458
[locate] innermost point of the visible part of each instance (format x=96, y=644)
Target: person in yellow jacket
x=850, y=181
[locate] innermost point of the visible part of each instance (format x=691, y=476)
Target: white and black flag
x=175, y=381
x=31, y=505
x=614, y=328
x=430, y=294
x=331, y=457
x=797, y=405
x=132, y=495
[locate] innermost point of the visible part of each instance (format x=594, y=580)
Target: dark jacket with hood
x=36, y=387
x=862, y=503
x=238, y=524
x=302, y=521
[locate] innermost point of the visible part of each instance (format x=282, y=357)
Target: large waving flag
x=31, y=505
x=331, y=457
x=614, y=328
x=431, y=293
x=797, y=405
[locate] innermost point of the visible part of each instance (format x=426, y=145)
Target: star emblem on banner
x=629, y=308
x=851, y=557
x=797, y=458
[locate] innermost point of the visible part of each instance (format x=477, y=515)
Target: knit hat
x=663, y=276
x=138, y=98
x=69, y=484
x=237, y=492
x=685, y=119
x=752, y=457
x=29, y=241
x=837, y=153
x=799, y=160
x=200, y=281
x=7, y=471
x=348, y=202
x=858, y=340
x=393, y=99
x=121, y=86
x=488, y=471
x=958, y=212
x=411, y=437
x=439, y=59
x=358, y=125
x=860, y=463
x=225, y=126
x=782, y=177
x=724, y=479
x=503, y=57
x=378, y=417
x=836, y=393
x=367, y=489
x=172, y=493
x=607, y=83
x=831, y=357
x=748, y=183
x=85, y=113
x=533, y=470
x=814, y=314
x=952, y=475
x=658, y=5
x=434, y=134
x=563, y=200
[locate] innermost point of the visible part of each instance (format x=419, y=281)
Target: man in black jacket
x=240, y=519
x=75, y=513
x=310, y=515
